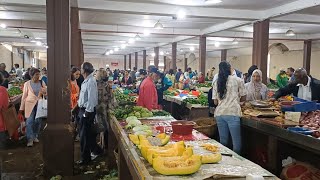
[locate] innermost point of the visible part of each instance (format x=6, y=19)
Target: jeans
x=230, y=125
x=33, y=125
x=88, y=136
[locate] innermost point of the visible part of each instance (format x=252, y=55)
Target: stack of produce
x=171, y=92
x=207, y=85
x=175, y=158
x=14, y=91
x=124, y=99
x=202, y=99
x=311, y=120
x=138, y=111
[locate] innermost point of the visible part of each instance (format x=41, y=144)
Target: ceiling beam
x=167, y=10
x=224, y=26
x=298, y=18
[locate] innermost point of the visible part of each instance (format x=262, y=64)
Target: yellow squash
x=176, y=166
x=211, y=158
x=134, y=139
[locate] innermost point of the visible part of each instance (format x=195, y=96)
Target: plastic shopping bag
x=42, y=110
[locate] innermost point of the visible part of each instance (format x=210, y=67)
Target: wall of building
x=5, y=57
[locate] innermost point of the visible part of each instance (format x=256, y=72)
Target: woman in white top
x=227, y=93
x=256, y=90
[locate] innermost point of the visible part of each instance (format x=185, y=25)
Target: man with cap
x=148, y=97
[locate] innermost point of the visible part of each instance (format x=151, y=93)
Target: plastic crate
x=304, y=106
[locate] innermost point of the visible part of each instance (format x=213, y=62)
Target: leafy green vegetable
x=160, y=113
x=14, y=91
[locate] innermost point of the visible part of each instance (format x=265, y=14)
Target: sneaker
x=30, y=144
x=36, y=140
x=93, y=156
x=45, y=126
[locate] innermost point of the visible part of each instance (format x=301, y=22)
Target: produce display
x=160, y=113
x=204, y=85
x=124, y=99
x=311, y=120
x=272, y=86
x=14, y=91
x=127, y=111
x=172, y=159
x=202, y=99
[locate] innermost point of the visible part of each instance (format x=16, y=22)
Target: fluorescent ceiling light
x=111, y=51
x=217, y=44
x=33, y=41
x=123, y=46
x=47, y=46
x=290, y=33
x=116, y=49
x=137, y=37
x=212, y=1
x=167, y=52
x=181, y=50
x=153, y=54
x=158, y=25
x=107, y=53
x=146, y=32
x=131, y=41
x=38, y=38
x=181, y=14
x=191, y=48
x=38, y=43
x=3, y=26
x=161, y=53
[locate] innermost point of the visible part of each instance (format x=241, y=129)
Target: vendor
x=282, y=79
x=304, y=87
x=148, y=97
x=163, y=84
x=256, y=90
x=126, y=80
x=201, y=78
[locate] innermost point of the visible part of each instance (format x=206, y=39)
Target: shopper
x=44, y=76
x=290, y=74
x=143, y=75
x=282, y=79
x=102, y=84
x=177, y=78
x=18, y=70
x=256, y=90
x=211, y=73
x=5, y=75
x=133, y=75
x=4, y=103
x=163, y=84
x=201, y=78
x=74, y=96
x=26, y=75
x=227, y=93
x=33, y=90
x=171, y=76
x=148, y=97
x=234, y=72
x=304, y=87
x=126, y=80
x=88, y=100
x=250, y=71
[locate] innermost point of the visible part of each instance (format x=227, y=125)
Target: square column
x=307, y=44
x=77, y=55
x=144, y=54
x=156, y=57
x=224, y=55
x=260, y=47
x=202, y=53
x=136, y=59
x=125, y=62
x=174, y=56
x=130, y=61
x=164, y=63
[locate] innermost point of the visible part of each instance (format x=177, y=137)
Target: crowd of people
x=90, y=92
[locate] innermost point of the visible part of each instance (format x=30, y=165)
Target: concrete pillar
x=130, y=62
x=136, y=59
x=260, y=46
x=164, y=63
x=58, y=141
x=224, y=55
x=174, y=56
x=156, y=57
x=144, y=54
x=307, y=55
x=77, y=55
x=125, y=62
x=202, y=53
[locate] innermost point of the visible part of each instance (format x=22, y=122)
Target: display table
x=277, y=143
x=132, y=166
x=174, y=106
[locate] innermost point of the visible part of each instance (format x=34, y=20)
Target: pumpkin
x=176, y=165
x=188, y=152
x=134, y=139
x=211, y=158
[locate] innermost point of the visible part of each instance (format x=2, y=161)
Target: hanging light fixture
x=217, y=44
x=153, y=54
x=234, y=42
x=116, y=49
x=146, y=32
x=111, y=52
x=192, y=48
x=158, y=25
x=107, y=53
x=290, y=33
x=123, y=46
x=137, y=37
x=3, y=26
x=212, y=1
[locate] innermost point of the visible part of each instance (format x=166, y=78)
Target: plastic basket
x=304, y=106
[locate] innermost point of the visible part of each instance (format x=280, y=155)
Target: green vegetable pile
x=204, y=85
x=272, y=86
x=202, y=99
x=160, y=113
x=14, y=91
x=138, y=111
x=124, y=99
x=113, y=175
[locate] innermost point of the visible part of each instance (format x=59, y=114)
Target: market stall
x=132, y=165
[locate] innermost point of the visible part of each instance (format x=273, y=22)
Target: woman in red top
x=148, y=97
x=74, y=88
x=201, y=78
x=4, y=103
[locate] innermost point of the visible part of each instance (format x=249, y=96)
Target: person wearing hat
x=282, y=79
x=148, y=96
